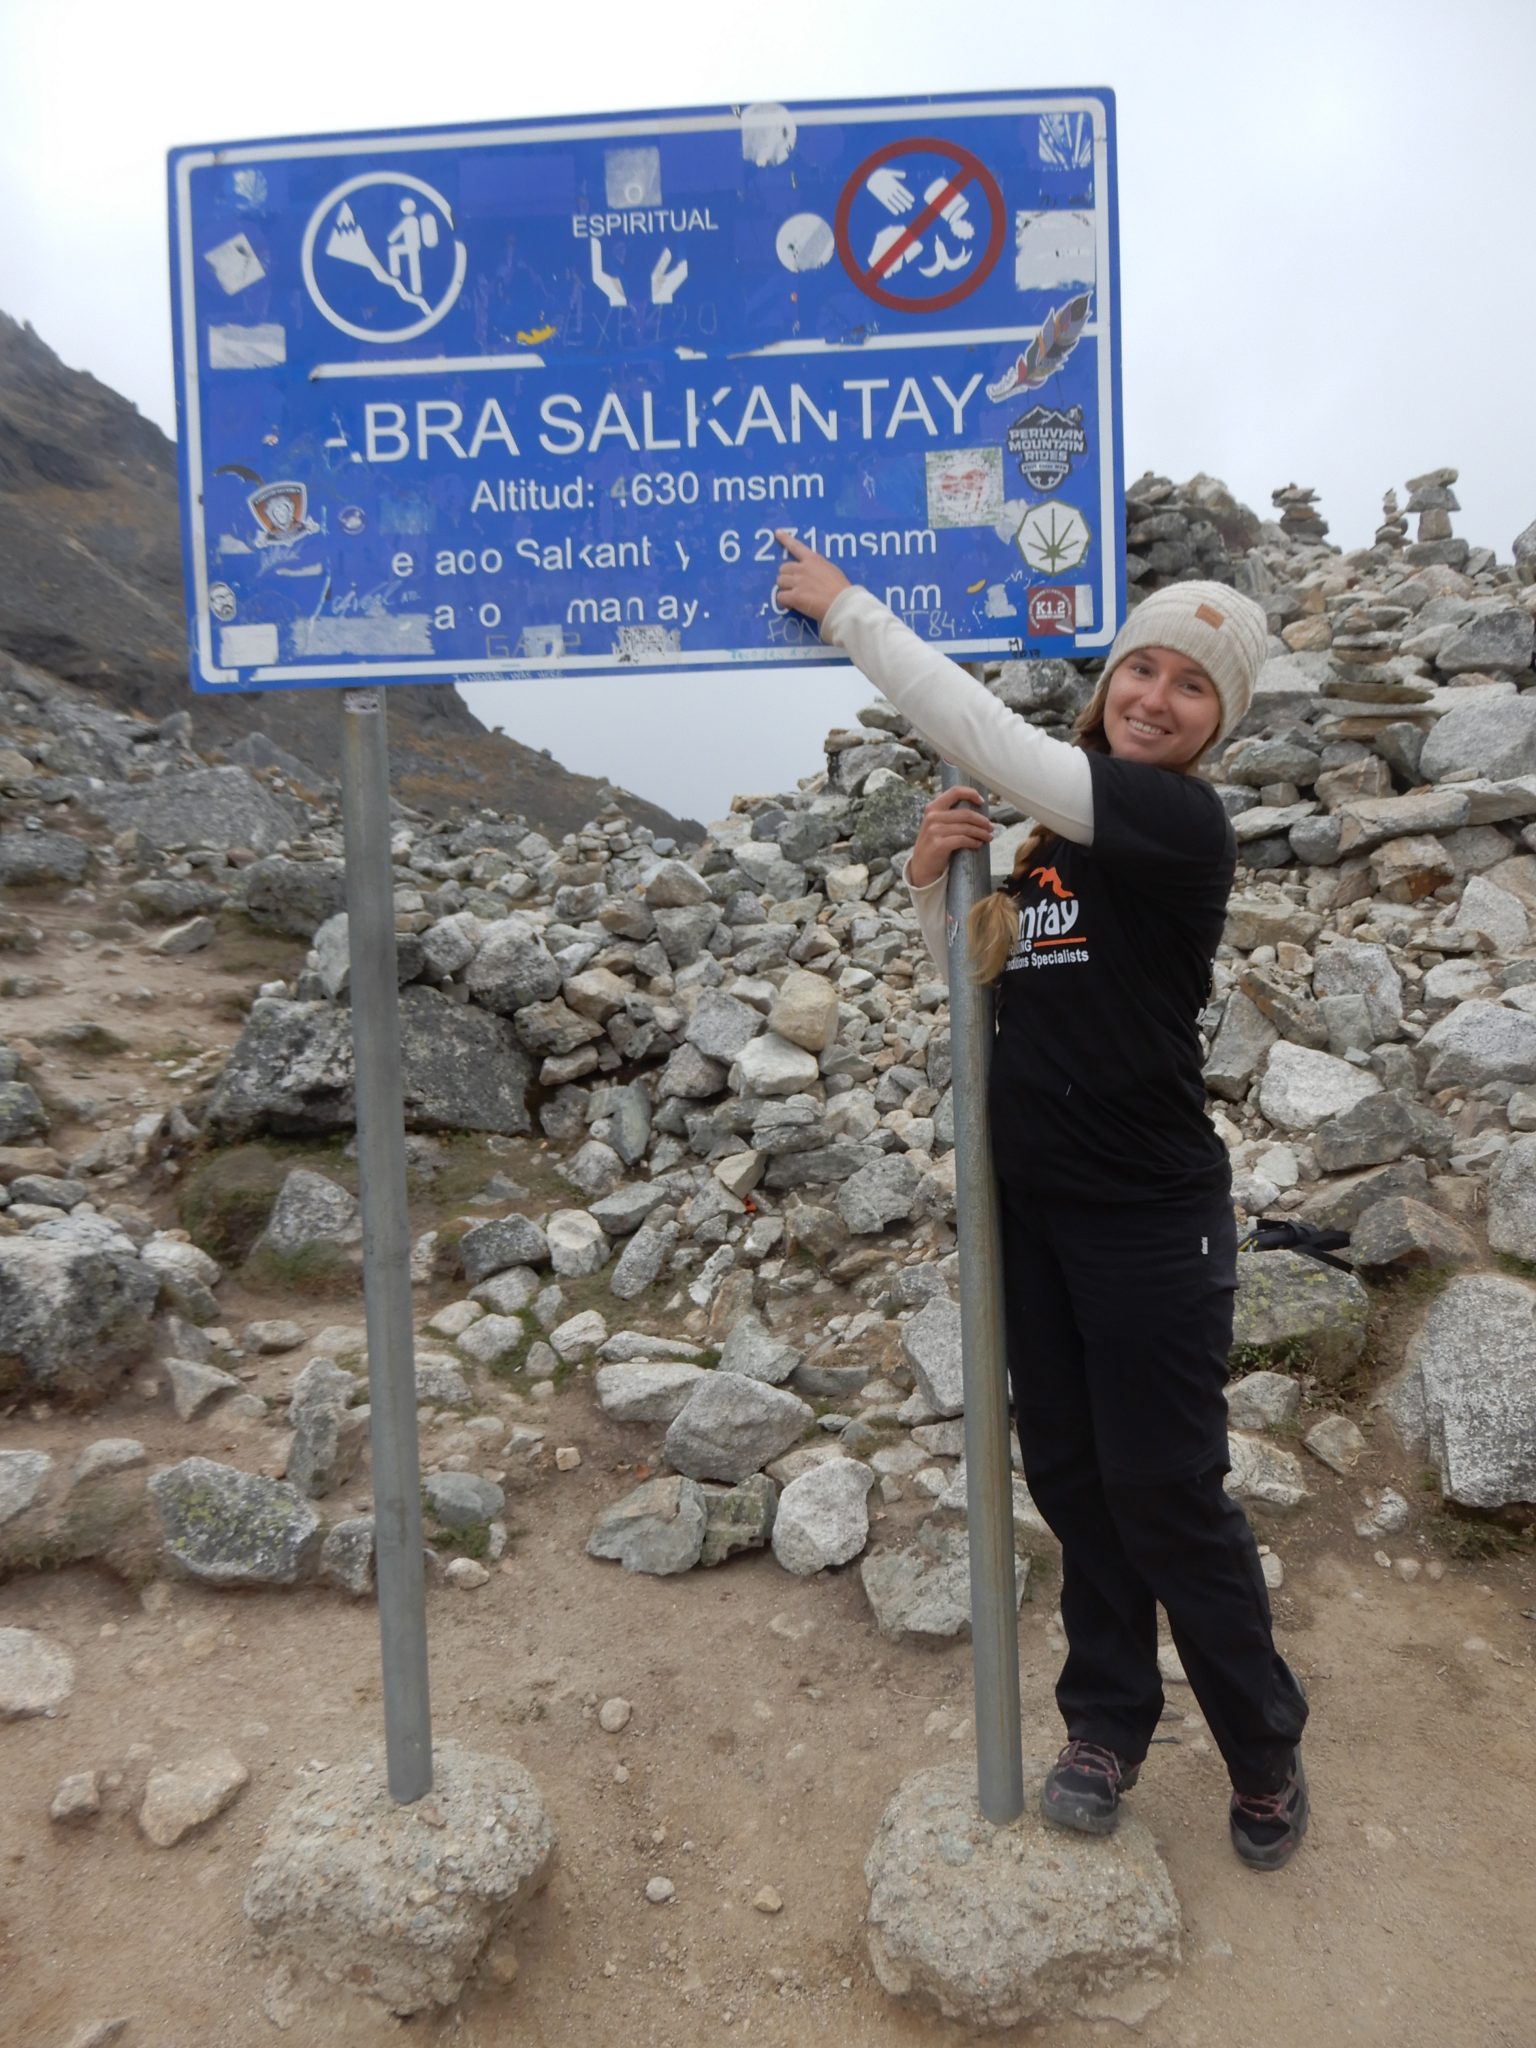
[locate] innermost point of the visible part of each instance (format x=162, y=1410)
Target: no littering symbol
x=940, y=230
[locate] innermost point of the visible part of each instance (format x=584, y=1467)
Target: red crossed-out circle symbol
x=962, y=169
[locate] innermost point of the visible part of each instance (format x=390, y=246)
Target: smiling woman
x=1115, y=1192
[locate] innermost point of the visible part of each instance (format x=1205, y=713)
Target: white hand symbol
x=889, y=186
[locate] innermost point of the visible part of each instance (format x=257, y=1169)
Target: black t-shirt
x=1096, y=1092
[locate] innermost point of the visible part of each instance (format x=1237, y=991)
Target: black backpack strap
x=1277, y=1234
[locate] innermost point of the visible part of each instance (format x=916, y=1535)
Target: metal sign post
x=989, y=1481
x=386, y=1244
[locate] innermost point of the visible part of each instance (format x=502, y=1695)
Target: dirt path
x=770, y=1725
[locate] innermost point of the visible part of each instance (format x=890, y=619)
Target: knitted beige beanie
x=1225, y=632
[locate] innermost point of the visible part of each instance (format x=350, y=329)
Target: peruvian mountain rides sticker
x=534, y=399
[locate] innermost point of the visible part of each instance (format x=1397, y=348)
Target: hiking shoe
x=1268, y=1826
x=1082, y=1788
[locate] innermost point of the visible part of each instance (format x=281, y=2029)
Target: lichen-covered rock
x=231, y=1528
x=658, y=1528
x=291, y=1071
x=1291, y=1309
x=74, y=1313
x=737, y=1517
x=1471, y=1374
x=295, y=897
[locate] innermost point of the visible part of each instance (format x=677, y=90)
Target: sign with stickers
x=534, y=399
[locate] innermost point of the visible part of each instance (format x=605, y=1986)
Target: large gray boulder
x=1292, y=1311
x=1512, y=1201
x=1497, y=640
x=1238, y=1051
x=733, y=1427
x=722, y=1025
x=1479, y=1042
x=295, y=897
x=508, y=1241
x=1377, y=1130
x=924, y=1589
x=219, y=807
x=231, y=1528
x=646, y=1389
x=398, y=1902
x=291, y=1071
x=1352, y=967
x=512, y=967
x=1493, y=735
x=888, y=1190
x=657, y=1529
x=1472, y=1371
x=311, y=1210
x=1001, y=1926
x=30, y=858
x=74, y=1314
x=823, y=1517
x=931, y=1342
x=1302, y=1088
x=22, y=1115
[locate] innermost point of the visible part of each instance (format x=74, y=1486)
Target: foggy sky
x=1324, y=236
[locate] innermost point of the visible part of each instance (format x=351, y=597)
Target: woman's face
x=1161, y=708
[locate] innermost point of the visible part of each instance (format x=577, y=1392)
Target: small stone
x=178, y=1800
x=77, y=1799
x=467, y=1573
x=36, y=1676
x=1337, y=1442
x=271, y=1337
x=659, y=1889
x=768, y=1901
x=613, y=1715
x=567, y=1458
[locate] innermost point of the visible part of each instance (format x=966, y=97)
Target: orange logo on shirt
x=1049, y=879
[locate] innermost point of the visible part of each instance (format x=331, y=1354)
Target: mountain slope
x=90, y=589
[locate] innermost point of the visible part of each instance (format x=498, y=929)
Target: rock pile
x=736, y=1059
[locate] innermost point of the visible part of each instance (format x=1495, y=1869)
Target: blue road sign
x=532, y=399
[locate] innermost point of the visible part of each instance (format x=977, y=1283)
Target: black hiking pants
x=1119, y=1326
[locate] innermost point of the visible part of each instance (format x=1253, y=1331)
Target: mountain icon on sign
x=348, y=244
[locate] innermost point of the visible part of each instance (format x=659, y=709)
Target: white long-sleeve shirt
x=995, y=746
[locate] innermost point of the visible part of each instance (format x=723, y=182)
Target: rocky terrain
x=687, y=1338
x=91, y=592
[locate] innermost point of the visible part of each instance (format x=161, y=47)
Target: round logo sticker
x=380, y=258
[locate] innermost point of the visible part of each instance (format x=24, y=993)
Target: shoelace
x=1265, y=1805
x=1089, y=1757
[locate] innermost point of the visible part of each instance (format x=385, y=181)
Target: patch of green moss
x=312, y=1269
x=474, y=1540
x=226, y=1198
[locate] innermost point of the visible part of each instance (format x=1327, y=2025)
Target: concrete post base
x=398, y=1902
x=998, y=1926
